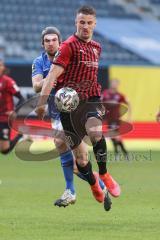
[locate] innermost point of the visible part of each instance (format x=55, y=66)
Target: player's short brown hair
x=51, y=30
x=87, y=10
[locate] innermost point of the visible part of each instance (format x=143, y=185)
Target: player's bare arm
x=37, y=82
x=48, y=84
x=51, y=79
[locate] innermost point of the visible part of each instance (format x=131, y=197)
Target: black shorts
x=4, y=131
x=74, y=123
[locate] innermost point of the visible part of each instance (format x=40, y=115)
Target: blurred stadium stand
x=21, y=23
x=141, y=37
x=144, y=8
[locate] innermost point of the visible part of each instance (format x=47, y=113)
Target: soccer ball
x=66, y=99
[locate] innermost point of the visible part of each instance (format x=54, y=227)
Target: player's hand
x=40, y=111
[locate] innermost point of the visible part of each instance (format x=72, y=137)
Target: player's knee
x=58, y=142
x=95, y=134
x=82, y=160
x=60, y=145
x=94, y=129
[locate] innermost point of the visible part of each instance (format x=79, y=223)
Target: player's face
x=85, y=25
x=2, y=68
x=51, y=44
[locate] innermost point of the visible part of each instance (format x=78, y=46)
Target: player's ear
x=42, y=42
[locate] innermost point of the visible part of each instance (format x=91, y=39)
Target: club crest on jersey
x=95, y=52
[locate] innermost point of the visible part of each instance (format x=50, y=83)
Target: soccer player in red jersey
x=8, y=89
x=51, y=39
x=113, y=97
x=76, y=66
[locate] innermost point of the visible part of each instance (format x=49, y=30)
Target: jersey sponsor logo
x=90, y=63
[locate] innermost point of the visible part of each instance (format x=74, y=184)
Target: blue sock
x=101, y=183
x=67, y=165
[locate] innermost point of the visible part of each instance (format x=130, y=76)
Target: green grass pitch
x=27, y=191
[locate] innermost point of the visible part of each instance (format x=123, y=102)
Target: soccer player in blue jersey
x=51, y=39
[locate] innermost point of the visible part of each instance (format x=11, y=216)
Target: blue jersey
x=41, y=65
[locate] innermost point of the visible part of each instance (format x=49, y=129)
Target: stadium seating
x=147, y=8
x=21, y=23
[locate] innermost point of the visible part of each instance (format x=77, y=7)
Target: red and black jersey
x=80, y=61
x=8, y=89
x=114, y=99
